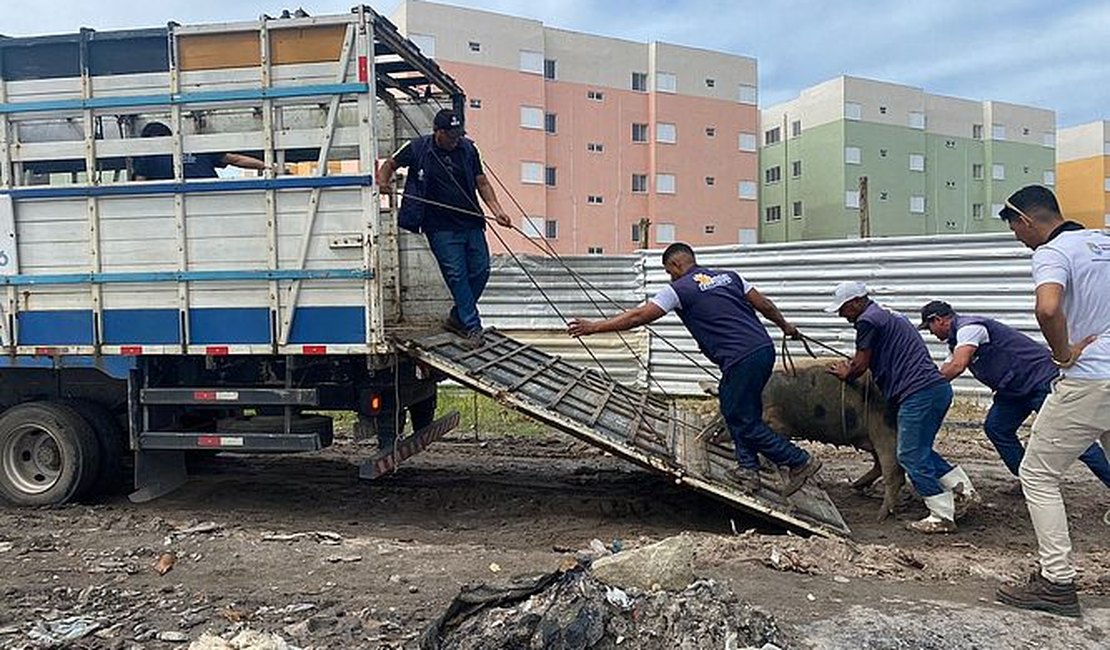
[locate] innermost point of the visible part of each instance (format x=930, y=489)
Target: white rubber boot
x=958, y=482
x=941, y=519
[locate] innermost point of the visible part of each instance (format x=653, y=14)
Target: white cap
x=844, y=292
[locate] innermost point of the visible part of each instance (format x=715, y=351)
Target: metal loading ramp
x=627, y=422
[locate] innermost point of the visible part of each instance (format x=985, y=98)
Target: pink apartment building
x=593, y=134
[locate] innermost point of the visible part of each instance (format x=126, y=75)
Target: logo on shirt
x=708, y=282
x=1099, y=250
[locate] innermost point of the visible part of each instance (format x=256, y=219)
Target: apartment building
x=1083, y=173
x=933, y=164
x=593, y=135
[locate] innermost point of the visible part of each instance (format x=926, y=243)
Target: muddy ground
x=298, y=546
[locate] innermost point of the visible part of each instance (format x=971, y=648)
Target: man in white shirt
x=1071, y=271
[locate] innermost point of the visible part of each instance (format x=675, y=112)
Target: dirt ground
x=299, y=547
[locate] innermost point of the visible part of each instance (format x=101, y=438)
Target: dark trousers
x=741, y=395
x=463, y=258
x=1006, y=414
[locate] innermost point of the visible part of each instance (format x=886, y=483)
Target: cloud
x=1051, y=55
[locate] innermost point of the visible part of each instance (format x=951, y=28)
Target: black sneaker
x=796, y=477
x=452, y=324
x=472, y=340
x=746, y=479
x=1042, y=594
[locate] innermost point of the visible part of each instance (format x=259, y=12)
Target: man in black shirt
x=194, y=165
x=445, y=176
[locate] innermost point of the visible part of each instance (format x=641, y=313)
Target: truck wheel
x=48, y=454
x=110, y=439
x=423, y=413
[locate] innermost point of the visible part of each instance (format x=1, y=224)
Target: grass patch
x=485, y=415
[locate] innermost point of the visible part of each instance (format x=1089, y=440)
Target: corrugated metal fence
x=982, y=274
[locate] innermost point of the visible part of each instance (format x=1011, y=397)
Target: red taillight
x=375, y=404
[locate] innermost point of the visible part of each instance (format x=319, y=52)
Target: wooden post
x=864, y=212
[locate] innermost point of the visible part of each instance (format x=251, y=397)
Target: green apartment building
x=933, y=164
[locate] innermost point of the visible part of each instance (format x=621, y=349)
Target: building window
x=796, y=210
x=550, y=176
x=852, y=155
x=595, y=147
x=636, y=232
x=977, y=211
x=665, y=133
x=951, y=225
x=475, y=46
x=426, y=43
x=882, y=110
x=533, y=227
x=1049, y=140
x=917, y=162
x=639, y=183
x=998, y=131
x=977, y=171
x=1106, y=184
x=595, y=250
x=710, y=229
x=531, y=117
x=950, y=185
x=851, y=199
x=747, y=94
x=747, y=236
x=666, y=82
x=710, y=180
x=664, y=184
x=1025, y=130
x=551, y=229
x=772, y=214
x=853, y=111
x=595, y=199
x=795, y=128
x=549, y=68
x=796, y=168
x=550, y=123
x=917, y=120
x=747, y=190
x=772, y=175
x=710, y=82
x=639, y=81
x=1106, y=221
x=917, y=204
x=665, y=233
x=531, y=173
x=771, y=136
x=882, y=153
x=1025, y=169
x=595, y=95
x=883, y=196
x=950, y=144
x=747, y=142
x=639, y=132
x=998, y=172
x=531, y=62
x=977, y=131
x=476, y=104
x=710, y=132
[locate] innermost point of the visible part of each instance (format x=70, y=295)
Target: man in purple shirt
x=718, y=308
x=889, y=345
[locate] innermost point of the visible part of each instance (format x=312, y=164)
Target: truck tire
x=423, y=413
x=110, y=439
x=49, y=454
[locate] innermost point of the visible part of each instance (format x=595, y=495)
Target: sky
x=1050, y=55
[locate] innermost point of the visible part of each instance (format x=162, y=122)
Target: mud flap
x=157, y=473
x=386, y=461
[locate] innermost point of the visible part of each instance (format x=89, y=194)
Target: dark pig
x=807, y=403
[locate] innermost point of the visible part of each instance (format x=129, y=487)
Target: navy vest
x=1011, y=363
x=411, y=215
x=719, y=316
x=900, y=361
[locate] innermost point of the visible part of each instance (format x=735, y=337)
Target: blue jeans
x=919, y=418
x=741, y=395
x=1006, y=415
x=463, y=258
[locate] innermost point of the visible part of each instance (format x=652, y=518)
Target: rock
x=668, y=564
x=173, y=636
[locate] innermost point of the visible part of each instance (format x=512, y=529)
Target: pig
x=807, y=403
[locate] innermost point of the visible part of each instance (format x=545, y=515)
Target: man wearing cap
x=889, y=345
x=445, y=174
x=1016, y=368
x=1071, y=271
x=718, y=307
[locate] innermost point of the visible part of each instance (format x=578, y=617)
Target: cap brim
x=835, y=307
x=924, y=325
